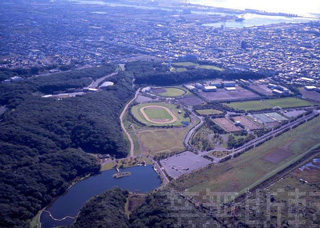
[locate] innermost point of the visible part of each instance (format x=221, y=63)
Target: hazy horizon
x=306, y=7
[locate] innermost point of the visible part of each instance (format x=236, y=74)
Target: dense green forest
x=156, y=74
x=12, y=93
x=44, y=142
x=106, y=210
x=160, y=209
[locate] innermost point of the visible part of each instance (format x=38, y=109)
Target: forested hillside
x=106, y=210
x=159, y=74
x=161, y=209
x=44, y=142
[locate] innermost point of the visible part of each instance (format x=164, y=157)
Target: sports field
x=248, y=105
x=206, y=112
x=159, y=114
x=169, y=91
x=256, y=165
x=226, y=124
x=289, y=102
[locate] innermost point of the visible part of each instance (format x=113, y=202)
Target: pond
x=63, y=211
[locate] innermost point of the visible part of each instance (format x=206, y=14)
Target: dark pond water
x=143, y=179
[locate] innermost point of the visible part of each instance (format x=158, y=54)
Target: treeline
x=12, y=93
x=44, y=141
x=161, y=209
x=106, y=210
x=166, y=78
x=234, y=142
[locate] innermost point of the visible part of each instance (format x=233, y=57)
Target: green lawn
x=159, y=114
x=172, y=92
x=248, y=105
x=289, y=102
x=251, y=168
x=196, y=65
x=135, y=110
x=206, y=112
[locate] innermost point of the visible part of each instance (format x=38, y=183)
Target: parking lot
x=185, y=162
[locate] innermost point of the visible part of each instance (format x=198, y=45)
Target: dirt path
x=123, y=127
x=174, y=118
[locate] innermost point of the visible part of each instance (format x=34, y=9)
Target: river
x=143, y=179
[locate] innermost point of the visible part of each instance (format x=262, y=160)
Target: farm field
x=289, y=102
x=248, y=105
x=207, y=112
x=196, y=65
x=169, y=91
x=158, y=114
x=222, y=94
x=256, y=165
x=247, y=123
x=226, y=124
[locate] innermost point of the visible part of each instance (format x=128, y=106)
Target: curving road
x=122, y=124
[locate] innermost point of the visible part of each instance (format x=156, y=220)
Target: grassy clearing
x=248, y=105
x=35, y=222
x=166, y=140
x=172, y=92
x=124, y=163
x=196, y=65
x=289, y=102
x=173, y=108
x=108, y=166
x=206, y=112
x=250, y=169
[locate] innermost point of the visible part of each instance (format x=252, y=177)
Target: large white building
x=209, y=89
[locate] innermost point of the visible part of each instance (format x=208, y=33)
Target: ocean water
x=302, y=8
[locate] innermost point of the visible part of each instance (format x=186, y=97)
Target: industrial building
x=199, y=86
x=229, y=84
x=209, y=89
x=217, y=84
x=230, y=88
x=310, y=88
x=190, y=87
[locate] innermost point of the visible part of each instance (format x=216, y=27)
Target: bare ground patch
x=277, y=156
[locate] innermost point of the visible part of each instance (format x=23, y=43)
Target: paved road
x=188, y=137
x=96, y=83
x=123, y=127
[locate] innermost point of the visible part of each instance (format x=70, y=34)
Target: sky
x=300, y=7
